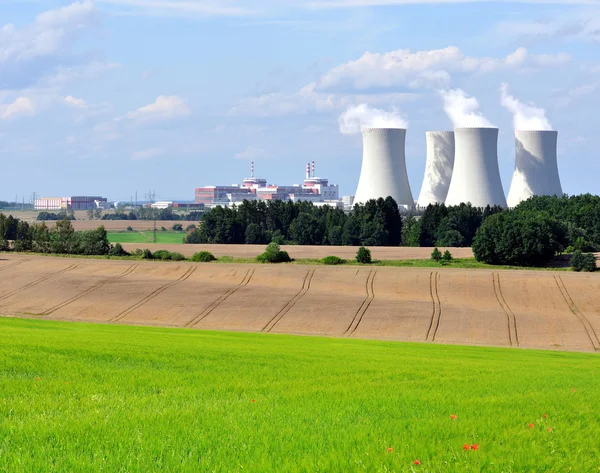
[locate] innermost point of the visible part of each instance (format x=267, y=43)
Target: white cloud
x=75, y=102
x=147, y=154
x=251, y=153
x=164, y=108
x=354, y=119
x=183, y=7
x=526, y=116
x=463, y=110
x=429, y=69
x=22, y=106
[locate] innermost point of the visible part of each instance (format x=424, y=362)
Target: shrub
x=147, y=254
x=174, y=256
x=436, y=254
x=203, y=257
x=583, y=261
x=178, y=227
x=162, y=254
x=118, y=250
x=333, y=260
x=447, y=256
x=274, y=254
x=363, y=255
x=129, y=228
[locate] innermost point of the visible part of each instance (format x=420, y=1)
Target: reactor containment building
x=536, y=166
x=476, y=176
x=383, y=170
x=438, y=168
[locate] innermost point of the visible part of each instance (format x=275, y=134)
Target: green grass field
x=165, y=238
x=80, y=398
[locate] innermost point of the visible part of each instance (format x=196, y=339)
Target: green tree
x=307, y=230
x=363, y=255
x=255, y=234
x=63, y=237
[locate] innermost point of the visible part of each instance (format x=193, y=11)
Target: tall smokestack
x=252, y=169
x=307, y=170
x=438, y=167
x=313, y=169
x=536, y=167
x=476, y=176
x=383, y=171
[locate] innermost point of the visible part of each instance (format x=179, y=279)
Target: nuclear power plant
x=438, y=168
x=536, y=166
x=383, y=172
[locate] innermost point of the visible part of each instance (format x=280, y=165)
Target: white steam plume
x=525, y=116
x=463, y=110
x=354, y=119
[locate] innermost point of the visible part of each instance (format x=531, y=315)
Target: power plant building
x=70, y=203
x=536, y=166
x=438, y=168
x=383, y=171
x=476, y=176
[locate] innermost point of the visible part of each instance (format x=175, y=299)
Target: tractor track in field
x=591, y=333
x=222, y=298
x=436, y=314
x=513, y=333
x=292, y=302
x=38, y=281
x=360, y=313
x=8, y=266
x=153, y=294
x=128, y=271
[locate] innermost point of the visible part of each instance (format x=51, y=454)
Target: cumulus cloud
x=425, y=69
x=30, y=51
x=354, y=119
x=463, y=110
x=22, y=106
x=164, y=108
x=75, y=102
x=525, y=116
x=147, y=154
x=250, y=153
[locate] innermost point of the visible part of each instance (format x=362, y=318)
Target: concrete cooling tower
x=476, y=176
x=536, y=167
x=383, y=171
x=438, y=167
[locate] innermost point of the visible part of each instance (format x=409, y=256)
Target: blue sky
x=114, y=96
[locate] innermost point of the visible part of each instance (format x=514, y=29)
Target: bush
x=583, y=261
x=118, y=250
x=333, y=260
x=436, y=254
x=174, y=256
x=162, y=255
x=129, y=228
x=147, y=254
x=363, y=255
x=191, y=226
x=178, y=227
x=447, y=256
x=274, y=254
x=203, y=257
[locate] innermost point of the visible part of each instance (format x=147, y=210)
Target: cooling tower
x=438, y=168
x=536, y=167
x=383, y=171
x=476, y=177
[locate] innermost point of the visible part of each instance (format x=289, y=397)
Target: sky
x=110, y=97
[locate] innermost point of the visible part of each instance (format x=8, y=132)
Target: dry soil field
x=549, y=310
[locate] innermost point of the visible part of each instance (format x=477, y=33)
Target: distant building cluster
x=314, y=189
x=72, y=203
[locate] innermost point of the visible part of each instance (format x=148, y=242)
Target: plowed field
x=551, y=310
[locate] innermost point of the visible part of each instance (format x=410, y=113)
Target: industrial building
x=314, y=189
x=536, y=166
x=438, y=168
x=383, y=171
x=70, y=203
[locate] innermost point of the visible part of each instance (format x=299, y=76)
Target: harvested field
x=304, y=252
x=547, y=310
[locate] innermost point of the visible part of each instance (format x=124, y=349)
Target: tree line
x=147, y=213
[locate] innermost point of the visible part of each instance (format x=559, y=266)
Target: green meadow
x=80, y=397
x=165, y=238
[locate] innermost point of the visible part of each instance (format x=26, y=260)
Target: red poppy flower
x=453, y=416
x=531, y=426
x=475, y=446
x=417, y=462
x=253, y=400
x=545, y=416
x=466, y=447
x=390, y=449
x=549, y=429
x=37, y=379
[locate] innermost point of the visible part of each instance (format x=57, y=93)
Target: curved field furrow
x=335, y=297
x=511, y=319
x=370, y=290
x=401, y=308
x=436, y=311
x=544, y=317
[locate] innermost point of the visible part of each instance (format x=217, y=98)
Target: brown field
x=546, y=310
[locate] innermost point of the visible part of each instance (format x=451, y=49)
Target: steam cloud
x=354, y=119
x=463, y=110
x=525, y=116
